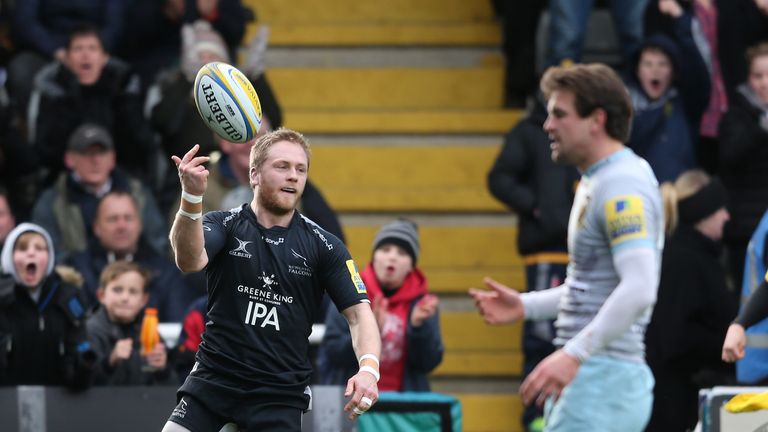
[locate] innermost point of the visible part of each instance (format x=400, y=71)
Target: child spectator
x=42, y=331
x=408, y=318
x=115, y=328
x=669, y=92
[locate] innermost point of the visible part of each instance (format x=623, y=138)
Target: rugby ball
x=227, y=102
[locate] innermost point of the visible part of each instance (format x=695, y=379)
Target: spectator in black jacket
x=42, y=327
x=694, y=306
x=744, y=159
x=540, y=192
x=89, y=86
x=40, y=31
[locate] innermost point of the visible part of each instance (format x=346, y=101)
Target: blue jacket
x=754, y=366
x=44, y=25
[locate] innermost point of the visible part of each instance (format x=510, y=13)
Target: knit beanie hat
x=195, y=38
x=208, y=39
x=401, y=232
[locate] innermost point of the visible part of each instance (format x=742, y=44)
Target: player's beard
x=270, y=201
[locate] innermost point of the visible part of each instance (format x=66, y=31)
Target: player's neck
x=601, y=149
x=268, y=219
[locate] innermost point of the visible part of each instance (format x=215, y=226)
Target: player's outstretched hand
x=499, y=305
x=735, y=340
x=192, y=173
x=364, y=391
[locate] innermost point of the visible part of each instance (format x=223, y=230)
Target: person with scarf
x=408, y=318
x=694, y=306
x=42, y=316
x=743, y=157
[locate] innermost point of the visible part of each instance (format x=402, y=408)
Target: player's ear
x=254, y=176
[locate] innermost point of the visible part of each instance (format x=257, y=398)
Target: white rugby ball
x=227, y=102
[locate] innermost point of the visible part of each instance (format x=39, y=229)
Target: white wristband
x=193, y=216
x=192, y=199
x=371, y=371
x=369, y=356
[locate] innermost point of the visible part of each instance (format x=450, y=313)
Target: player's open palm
x=499, y=305
x=192, y=173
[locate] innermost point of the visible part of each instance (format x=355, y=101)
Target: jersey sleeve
x=341, y=279
x=629, y=214
x=214, y=232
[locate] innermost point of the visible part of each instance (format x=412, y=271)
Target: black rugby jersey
x=264, y=288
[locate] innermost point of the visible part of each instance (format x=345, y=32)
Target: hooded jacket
x=665, y=131
x=42, y=342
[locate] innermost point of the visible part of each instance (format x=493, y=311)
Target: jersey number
x=257, y=310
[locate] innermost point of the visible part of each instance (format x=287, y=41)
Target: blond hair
x=262, y=145
x=686, y=185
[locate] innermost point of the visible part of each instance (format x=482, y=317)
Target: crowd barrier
x=131, y=409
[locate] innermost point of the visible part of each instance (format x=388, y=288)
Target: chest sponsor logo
x=303, y=269
x=625, y=219
x=241, y=249
x=263, y=303
x=277, y=242
x=356, y=279
x=262, y=315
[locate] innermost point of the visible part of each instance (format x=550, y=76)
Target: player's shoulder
x=629, y=173
x=223, y=217
x=317, y=234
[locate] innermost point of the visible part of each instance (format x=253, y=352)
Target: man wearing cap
x=68, y=208
x=411, y=344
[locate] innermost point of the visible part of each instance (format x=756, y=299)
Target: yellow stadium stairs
x=402, y=103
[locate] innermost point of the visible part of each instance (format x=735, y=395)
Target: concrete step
x=401, y=34
x=382, y=122
x=370, y=11
x=385, y=178
x=382, y=57
x=388, y=88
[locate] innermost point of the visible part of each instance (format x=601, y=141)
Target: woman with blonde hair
x=694, y=306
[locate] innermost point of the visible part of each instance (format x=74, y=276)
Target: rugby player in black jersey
x=267, y=268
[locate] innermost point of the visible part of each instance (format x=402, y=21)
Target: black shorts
x=195, y=416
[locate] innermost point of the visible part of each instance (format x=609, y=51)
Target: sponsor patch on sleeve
x=625, y=219
x=356, y=279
